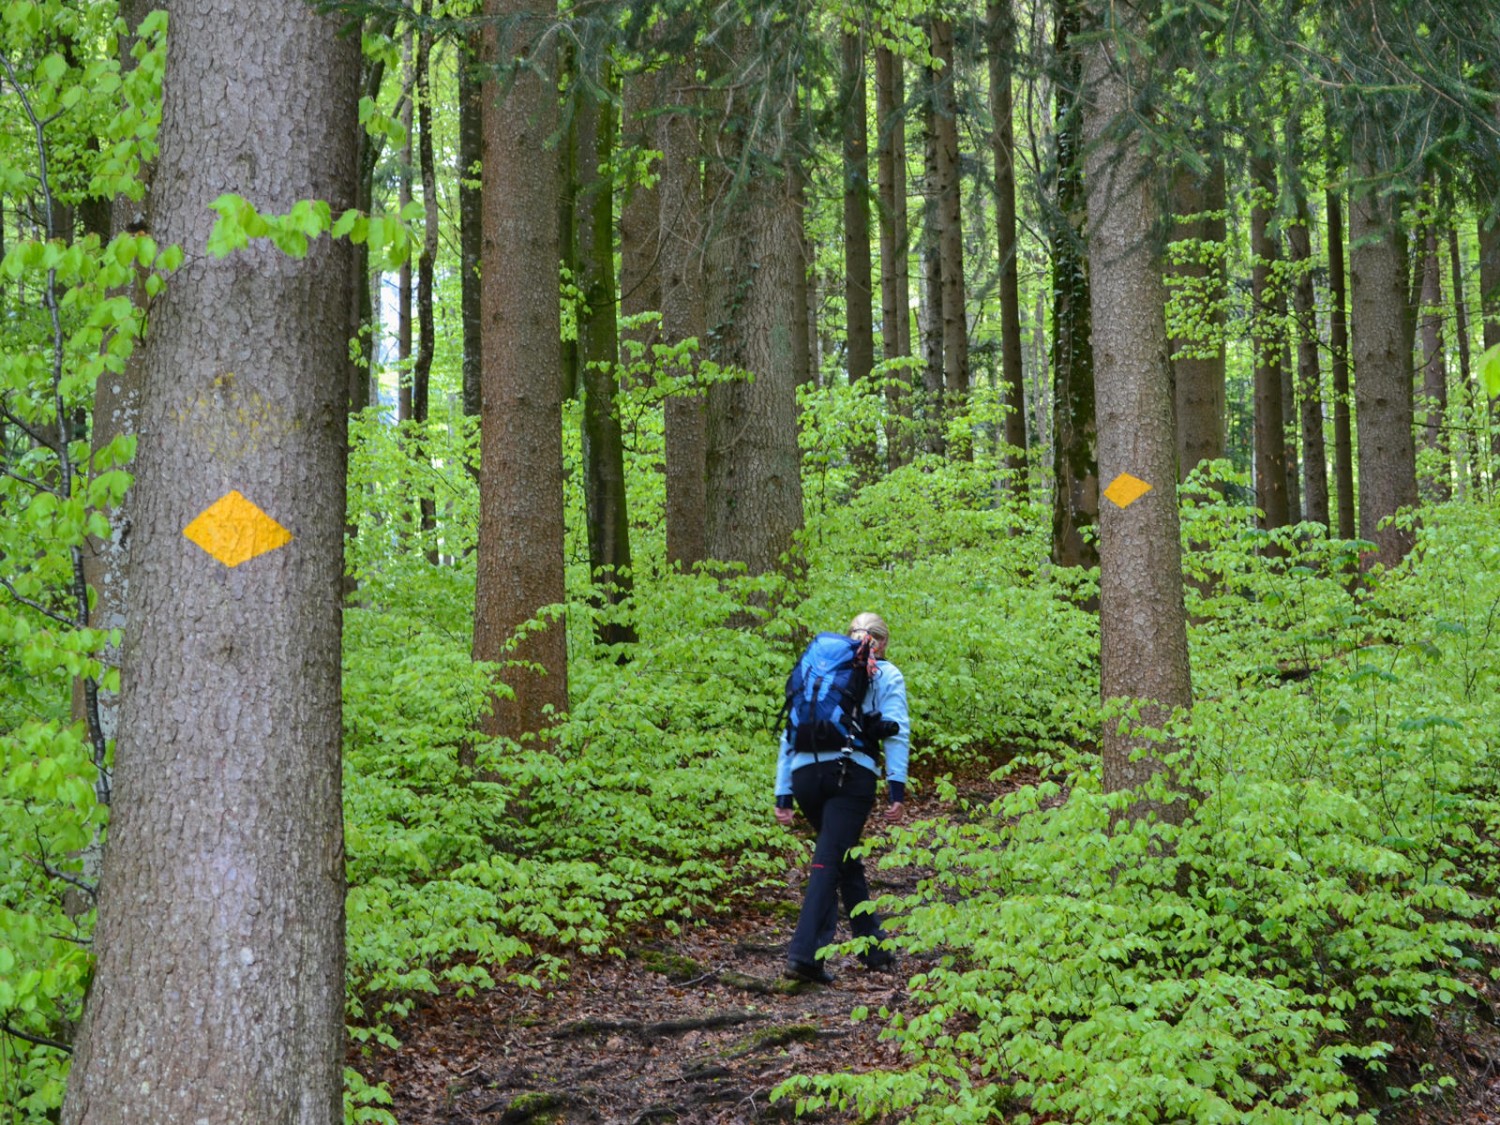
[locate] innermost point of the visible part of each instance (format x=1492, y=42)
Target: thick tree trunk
x=470, y=222
x=754, y=482
x=1338, y=347
x=606, y=517
x=1142, y=622
x=520, y=552
x=1270, y=435
x=1382, y=354
x=950, y=220
x=682, y=318
x=1198, y=376
x=221, y=906
x=1075, y=472
x=895, y=320
x=1309, y=377
x=1002, y=36
x=859, y=321
x=1434, y=369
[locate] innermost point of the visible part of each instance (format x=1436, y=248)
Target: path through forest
x=699, y=1028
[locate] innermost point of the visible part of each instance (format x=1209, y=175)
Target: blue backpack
x=824, y=694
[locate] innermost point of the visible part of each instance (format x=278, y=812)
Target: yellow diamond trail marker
x=234, y=530
x=1125, y=490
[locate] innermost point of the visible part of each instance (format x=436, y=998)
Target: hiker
x=836, y=792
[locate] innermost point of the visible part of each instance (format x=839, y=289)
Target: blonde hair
x=873, y=624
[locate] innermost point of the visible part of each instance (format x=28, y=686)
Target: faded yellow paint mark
x=234, y=530
x=1125, y=490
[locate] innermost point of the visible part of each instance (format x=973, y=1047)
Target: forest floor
x=700, y=1027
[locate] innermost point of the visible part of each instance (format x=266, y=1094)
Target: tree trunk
x=950, y=221
x=470, y=221
x=1002, y=36
x=221, y=910
x=1382, y=354
x=1270, y=435
x=520, y=552
x=930, y=313
x=1075, y=490
x=1468, y=472
x=421, y=372
x=362, y=326
x=1288, y=405
x=859, y=324
x=1338, y=347
x=682, y=318
x=606, y=516
x=895, y=319
x=1142, y=622
x=1198, y=376
x=1489, y=311
x=1309, y=377
x=804, y=311
x=754, y=483
x=1434, y=368
x=404, y=282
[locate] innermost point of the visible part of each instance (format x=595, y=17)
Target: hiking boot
x=879, y=960
x=811, y=972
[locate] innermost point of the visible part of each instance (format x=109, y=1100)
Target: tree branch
x=39, y=1040
x=51, y=614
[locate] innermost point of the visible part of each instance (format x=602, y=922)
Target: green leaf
x=1489, y=371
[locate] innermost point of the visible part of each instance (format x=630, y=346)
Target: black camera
x=875, y=726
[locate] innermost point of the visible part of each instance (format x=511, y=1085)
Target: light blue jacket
x=887, y=695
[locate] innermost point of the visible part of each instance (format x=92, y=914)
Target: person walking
x=836, y=794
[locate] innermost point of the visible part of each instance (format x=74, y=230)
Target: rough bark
x=222, y=896
x=950, y=218
x=1382, y=354
x=1338, y=347
x=1198, y=376
x=1434, y=368
x=470, y=223
x=895, y=319
x=1142, y=622
x=1309, y=377
x=1270, y=435
x=1075, y=473
x=520, y=552
x=859, y=319
x=1002, y=35
x=606, y=516
x=682, y=318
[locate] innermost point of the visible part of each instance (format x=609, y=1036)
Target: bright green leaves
x=388, y=236
x=1489, y=371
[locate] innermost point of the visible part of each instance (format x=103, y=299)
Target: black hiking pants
x=836, y=799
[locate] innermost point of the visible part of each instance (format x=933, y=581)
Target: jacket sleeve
x=783, y=774
x=891, y=693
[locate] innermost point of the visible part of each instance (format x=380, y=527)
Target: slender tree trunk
x=804, y=311
x=1434, y=368
x=221, y=910
x=1198, y=375
x=950, y=220
x=421, y=372
x=1489, y=312
x=859, y=327
x=1289, y=406
x=640, y=212
x=1338, y=347
x=520, y=552
x=930, y=316
x=1468, y=471
x=404, y=284
x=1142, y=622
x=598, y=351
x=1309, y=377
x=1382, y=353
x=683, y=318
x=362, y=361
x=1270, y=435
x=470, y=221
x=894, y=287
x=1075, y=471
x=1002, y=36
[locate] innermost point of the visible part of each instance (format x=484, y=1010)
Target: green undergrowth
x=1332, y=888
